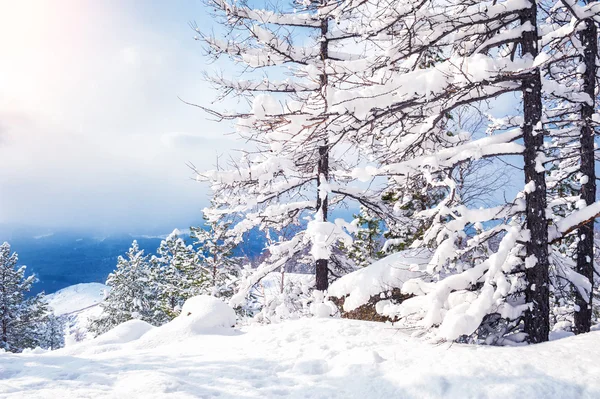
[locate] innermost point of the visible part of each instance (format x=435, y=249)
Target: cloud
x=183, y=140
x=92, y=134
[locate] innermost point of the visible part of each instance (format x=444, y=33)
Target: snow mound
x=208, y=312
x=112, y=340
x=389, y=272
x=76, y=298
x=200, y=315
x=124, y=332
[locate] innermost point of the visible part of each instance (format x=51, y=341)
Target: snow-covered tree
x=52, y=331
x=298, y=166
x=215, y=251
x=131, y=293
x=367, y=242
x=383, y=108
x=490, y=49
x=177, y=274
x=21, y=317
x=571, y=103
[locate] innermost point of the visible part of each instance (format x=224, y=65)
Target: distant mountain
x=62, y=259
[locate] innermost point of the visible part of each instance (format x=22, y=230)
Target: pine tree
x=52, y=332
x=215, y=251
x=131, y=294
x=20, y=317
x=490, y=49
x=367, y=243
x=177, y=274
x=572, y=104
x=585, y=245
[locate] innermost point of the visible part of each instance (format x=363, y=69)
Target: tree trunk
x=4, y=334
x=537, y=319
x=322, y=267
x=585, y=245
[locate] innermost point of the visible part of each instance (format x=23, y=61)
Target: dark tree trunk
x=585, y=245
x=537, y=319
x=322, y=267
x=4, y=334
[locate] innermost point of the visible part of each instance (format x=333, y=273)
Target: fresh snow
x=306, y=358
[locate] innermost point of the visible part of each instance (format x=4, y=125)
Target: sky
x=92, y=133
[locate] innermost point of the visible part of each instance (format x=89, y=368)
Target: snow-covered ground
x=307, y=358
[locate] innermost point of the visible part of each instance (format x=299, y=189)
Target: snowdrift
x=199, y=315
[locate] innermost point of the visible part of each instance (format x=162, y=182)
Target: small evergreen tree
x=52, y=332
x=177, y=274
x=410, y=197
x=215, y=251
x=367, y=245
x=131, y=295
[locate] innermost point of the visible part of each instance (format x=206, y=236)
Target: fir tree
x=215, y=250
x=52, y=332
x=367, y=244
x=178, y=274
x=20, y=317
x=131, y=295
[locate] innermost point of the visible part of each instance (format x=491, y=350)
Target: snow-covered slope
x=78, y=303
x=76, y=298
x=308, y=358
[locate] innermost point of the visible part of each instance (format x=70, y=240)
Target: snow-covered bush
x=285, y=298
x=367, y=293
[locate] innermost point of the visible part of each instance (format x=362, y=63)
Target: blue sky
x=92, y=134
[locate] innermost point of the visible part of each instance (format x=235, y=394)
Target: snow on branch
x=301, y=19
x=573, y=221
x=500, y=144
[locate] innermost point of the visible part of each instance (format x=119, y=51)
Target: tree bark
x=537, y=319
x=585, y=245
x=322, y=265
